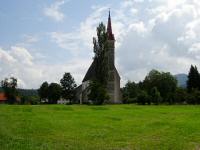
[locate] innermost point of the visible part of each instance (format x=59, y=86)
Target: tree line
x=161, y=88
x=157, y=88
x=47, y=93
x=51, y=93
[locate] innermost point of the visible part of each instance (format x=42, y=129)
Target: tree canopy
x=68, y=86
x=54, y=93
x=43, y=91
x=163, y=81
x=100, y=57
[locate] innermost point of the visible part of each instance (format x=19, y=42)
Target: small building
x=3, y=98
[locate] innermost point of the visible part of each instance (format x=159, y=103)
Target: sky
x=41, y=40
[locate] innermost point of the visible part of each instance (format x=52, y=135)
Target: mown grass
x=110, y=127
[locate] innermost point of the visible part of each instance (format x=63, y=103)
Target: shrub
x=180, y=95
x=143, y=98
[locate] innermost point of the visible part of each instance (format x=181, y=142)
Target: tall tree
x=193, y=79
x=100, y=58
x=98, y=93
x=54, y=93
x=9, y=86
x=43, y=91
x=68, y=87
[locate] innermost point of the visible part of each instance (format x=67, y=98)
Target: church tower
x=113, y=86
x=111, y=44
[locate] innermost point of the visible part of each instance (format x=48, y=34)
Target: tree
x=43, y=91
x=193, y=97
x=163, y=81
x=143, y=98
x=130, y=92
x=180, y=95
x=100, y=57
x=97, y=93
x=54, y=93
x=155, y=96
x=193, y=79
x=101, y=66
x=9, y=86
x=33, y=100
x=68, y=87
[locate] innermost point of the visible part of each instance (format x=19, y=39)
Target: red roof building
x=3, y=98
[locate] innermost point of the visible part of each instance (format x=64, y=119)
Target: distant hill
x=28, y=92
x=182, y=80
x=25, y=92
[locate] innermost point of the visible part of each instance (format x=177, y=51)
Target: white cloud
x=80, y=40
x=195, y=48
x=150, y=37
x=160, y=34
x=19, y=62
x=54, y=11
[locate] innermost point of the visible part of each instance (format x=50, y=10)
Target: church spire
x=109, y=29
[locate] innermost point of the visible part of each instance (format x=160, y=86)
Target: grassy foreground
x=116, y=127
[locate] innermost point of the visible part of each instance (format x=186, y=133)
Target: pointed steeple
x=109, y=29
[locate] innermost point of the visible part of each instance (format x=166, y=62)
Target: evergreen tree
x=68, y=87
x=193, y=79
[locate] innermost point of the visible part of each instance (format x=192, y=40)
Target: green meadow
x=108, y=127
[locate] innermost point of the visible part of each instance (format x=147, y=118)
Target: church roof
x=90, y=73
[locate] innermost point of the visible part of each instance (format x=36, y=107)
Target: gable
x=117, y=73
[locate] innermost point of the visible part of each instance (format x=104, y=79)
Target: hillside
x=182, y=80
x=28, y=92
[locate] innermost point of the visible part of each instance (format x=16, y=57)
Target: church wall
x=117, y=89
x=84, y=97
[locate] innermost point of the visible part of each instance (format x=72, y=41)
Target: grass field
x=116, y=127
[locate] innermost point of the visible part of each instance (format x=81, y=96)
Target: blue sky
x=40, y=40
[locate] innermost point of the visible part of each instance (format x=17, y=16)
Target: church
x=113, y=85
